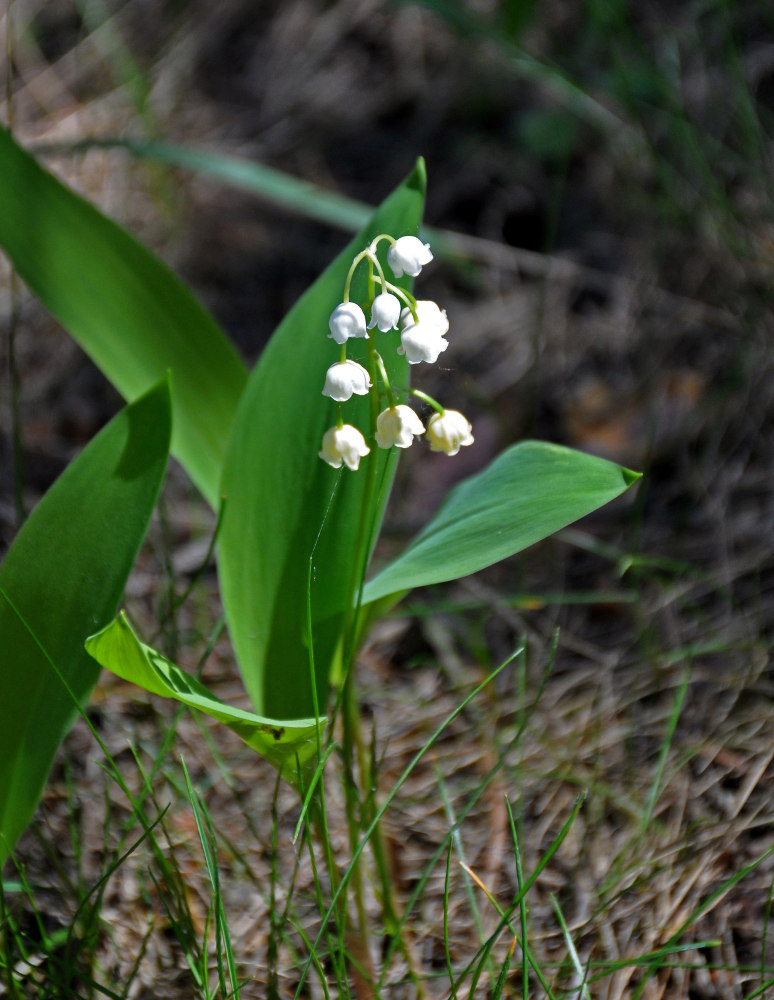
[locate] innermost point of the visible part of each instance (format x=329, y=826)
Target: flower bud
x=344, y=379
x=408, y=255
x=347, y=320
x=397, y=426
x=385, y=312
x=343, y=445
x=449, y=431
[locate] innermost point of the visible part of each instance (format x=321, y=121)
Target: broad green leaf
x=285, y=505
x=126, y=309
x=287, y=745
x=62, y=578
x=530, y=491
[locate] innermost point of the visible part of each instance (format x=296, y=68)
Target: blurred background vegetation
x=601, y=176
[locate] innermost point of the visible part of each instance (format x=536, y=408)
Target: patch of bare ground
x=596, y=299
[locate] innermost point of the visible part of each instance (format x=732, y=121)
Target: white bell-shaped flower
x=347, y=320
x=397, y=425
x=385, y=312
x=345, y=379
x=420, y=345
x=343, y=445
x=408, y=255
x=429, y=314
x=449, y=431
x=423, y=339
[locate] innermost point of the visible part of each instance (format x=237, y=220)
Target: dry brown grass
x=645, y=343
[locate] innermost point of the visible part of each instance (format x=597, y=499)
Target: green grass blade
x=118, y=649
x=62, y=577
x=446, y=947
x=209, y=849
x=522, y=898
x=126, y=309
x=580, y=972
x=285, y=504
x=347, y=876
x=276, y=187
x=655, y=788
x=462, y=859
x=530, y=491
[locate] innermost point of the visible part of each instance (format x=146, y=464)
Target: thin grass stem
x=522, y=898
x=459, y=847
x=396, y=788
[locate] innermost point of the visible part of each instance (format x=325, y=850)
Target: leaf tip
x=417, y=179
x=630, y=477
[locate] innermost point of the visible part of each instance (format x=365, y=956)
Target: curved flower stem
x=378, y=239
x=371, y=283
x=374, y=263
x=385, y=380
x=427, y=399
x=350, y=274
x=400, y=293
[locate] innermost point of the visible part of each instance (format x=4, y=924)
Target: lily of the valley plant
x=296, y=535
x=423, y=327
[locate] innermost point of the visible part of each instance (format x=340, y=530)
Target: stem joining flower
x=398, y=426
x=449, y=431
x=345, y=379
x=343, y=445
x=408, y=255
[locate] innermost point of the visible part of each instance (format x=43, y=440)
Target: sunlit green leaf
x=61, y=579
x=285, y=505
x=530, y=491
x=288, y=745
x=127, y=310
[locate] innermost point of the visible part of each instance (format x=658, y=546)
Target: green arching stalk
x=351, y=273
x=427, y=399
x=374, y=262
x=400, y=293
x=385, y=379
x=371, y=285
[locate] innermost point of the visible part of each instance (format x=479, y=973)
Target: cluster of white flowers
x=423, y=327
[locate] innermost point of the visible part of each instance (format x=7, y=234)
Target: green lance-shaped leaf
x=289, y=746
x=285, y=505
x=530, y=491
x=126, y=309
x=62, y=578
